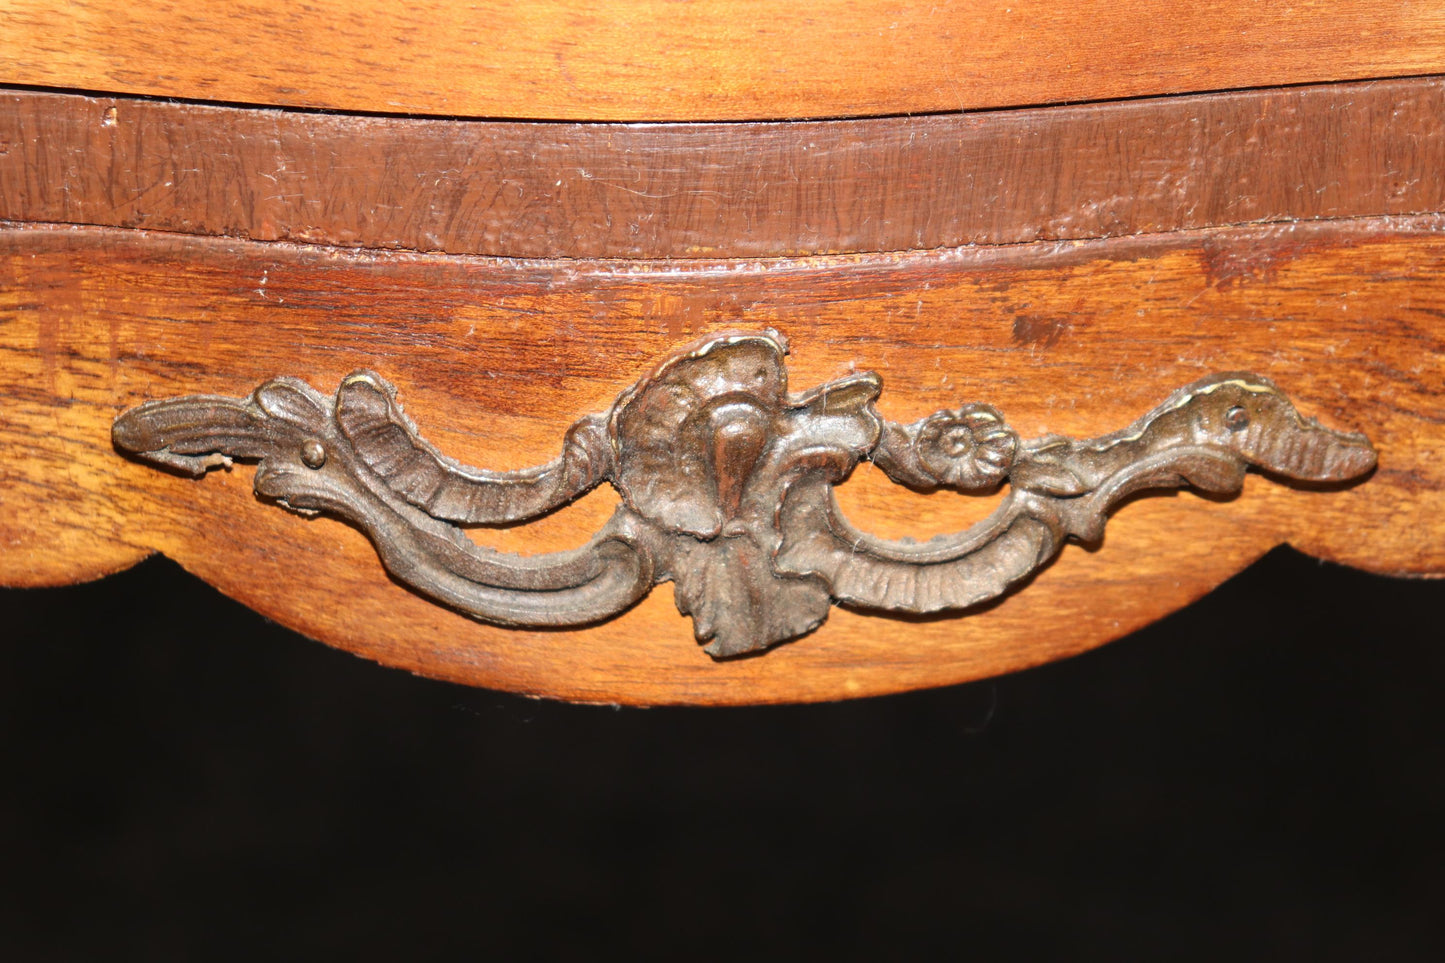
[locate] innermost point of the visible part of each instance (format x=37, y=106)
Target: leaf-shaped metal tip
x=1351, y=457
x=189, y=435
x=133, y=433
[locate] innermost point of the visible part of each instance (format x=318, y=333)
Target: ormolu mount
x=726, y=482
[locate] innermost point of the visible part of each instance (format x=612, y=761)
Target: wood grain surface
x=707, y=59
x=726, y=190
x=493, y=358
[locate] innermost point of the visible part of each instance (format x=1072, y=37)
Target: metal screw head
x=1236, y=419
x=313, y=453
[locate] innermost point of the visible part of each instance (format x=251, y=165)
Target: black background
x=1258, y=777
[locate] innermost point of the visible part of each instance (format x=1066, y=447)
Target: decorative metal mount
x=727, y=488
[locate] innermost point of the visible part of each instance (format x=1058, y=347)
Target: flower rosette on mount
x=708, y=447
x=967, y=448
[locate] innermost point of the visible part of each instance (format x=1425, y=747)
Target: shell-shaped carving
x=969, y=447
x=714, y=402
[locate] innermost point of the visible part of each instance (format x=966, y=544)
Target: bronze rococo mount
x=727, y=488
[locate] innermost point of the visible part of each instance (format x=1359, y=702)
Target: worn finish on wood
x=1074, y=338
x=705, y=59
x=727, y=484
x=728, y=190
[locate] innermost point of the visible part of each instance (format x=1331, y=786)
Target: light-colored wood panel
x=707, y=59
x=494, y=358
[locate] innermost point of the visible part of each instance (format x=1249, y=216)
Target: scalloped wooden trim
x=1344, y=316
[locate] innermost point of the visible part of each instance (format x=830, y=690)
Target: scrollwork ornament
x=727, y=488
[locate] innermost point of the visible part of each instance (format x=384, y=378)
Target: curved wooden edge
x=650, y=60
x=495, y=358
x=725, y=190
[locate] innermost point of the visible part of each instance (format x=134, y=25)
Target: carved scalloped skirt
x=843, y=407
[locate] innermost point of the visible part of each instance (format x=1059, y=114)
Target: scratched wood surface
x=706, y=59
x=493, y=358
x=725, y=190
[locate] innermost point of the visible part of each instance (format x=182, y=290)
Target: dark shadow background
x=1259, y=777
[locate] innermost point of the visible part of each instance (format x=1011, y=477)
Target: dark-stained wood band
x=725, y=190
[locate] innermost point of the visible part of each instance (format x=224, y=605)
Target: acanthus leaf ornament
x=727, y=488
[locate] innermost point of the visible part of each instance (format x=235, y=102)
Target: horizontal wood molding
x=494, y=358
x=726, y=190
x=641, y=60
